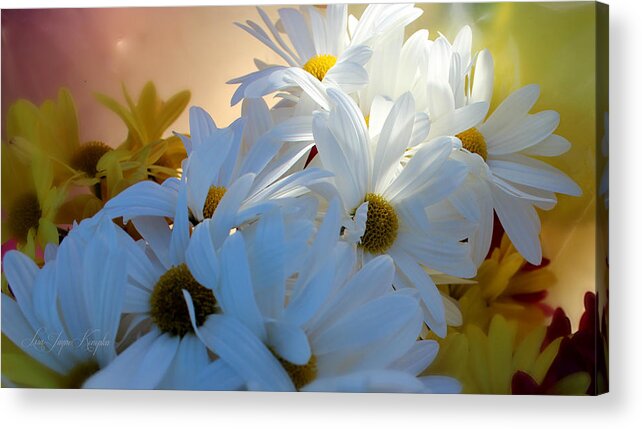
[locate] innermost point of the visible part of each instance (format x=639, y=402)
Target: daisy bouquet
x=374, y=229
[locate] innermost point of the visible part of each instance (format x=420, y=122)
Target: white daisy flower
x=66, y=315
x=324, y=328
x=407, y=217
x=506, y=179
x=330, y=49
x=219, y=182
x=165, y=353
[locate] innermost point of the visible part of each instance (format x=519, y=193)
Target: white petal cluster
x=298, y=249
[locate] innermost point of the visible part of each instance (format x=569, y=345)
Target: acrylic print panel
x=360, y=198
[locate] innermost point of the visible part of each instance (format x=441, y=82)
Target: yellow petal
x=528, y=350
x=544, y=361
x=171, y=110
x=501, y=339
x=125, y=115
x=574, y=384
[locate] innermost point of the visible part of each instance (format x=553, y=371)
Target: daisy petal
x=298, y=32
x=393, y=141
x=289, y=342
x=514, y=107
x=521, y=223
x=440, y=384
x=348, y=76
x=552, y=145
x=235, y=291
x=418, y=358
x=523, y=134
x=201, y=257
x=145, y=198
x=368, y=381
x=531, y=172
x=458, y=120
x=245, y=353
x=434, y=313
x=21, y=274
x=141, y=366
x=482, y=89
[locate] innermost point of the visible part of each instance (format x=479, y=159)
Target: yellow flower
x=30, y=201
x=145, y=153
x=506, y=285
x=44, y=158
x=488, y=363
x=52, y=129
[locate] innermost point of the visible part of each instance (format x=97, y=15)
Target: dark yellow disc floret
x=301, y=375
x=168, y=308
x=214, y=197
x=87, y=156
x=473, y=141
x=319, y=65
x=24, y=214
x=382, y=225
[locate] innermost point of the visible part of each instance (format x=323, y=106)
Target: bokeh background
x=200, y=48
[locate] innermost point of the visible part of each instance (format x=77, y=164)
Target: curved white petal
x=383, y=381
x=144, y=198
x=235, y=292
x=142, y=365
x=393, y=141
x=552, y=145
x=201, y=256
x=482, y=88
x=440, y=384
x=289, y=342
x=418, y=357
x=242, y=351
x=513, y=108
x=415, y=276
x=521, y=223
x=531, y=172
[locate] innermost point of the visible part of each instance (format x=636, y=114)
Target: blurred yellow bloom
x=47, y=137
x=506, y=285
x=488, y=363
x=50, y=132
x=30, y=201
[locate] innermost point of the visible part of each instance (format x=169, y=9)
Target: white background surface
x=622, y=408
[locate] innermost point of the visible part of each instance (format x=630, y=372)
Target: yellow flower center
x=473, y=141
x=367, y=118
x=24, y=214
x=382, y=225
x=214, y=197
x=319, y=65
x=80, y=373
x=300, y=375
x=87, y=156
x=168, y=308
